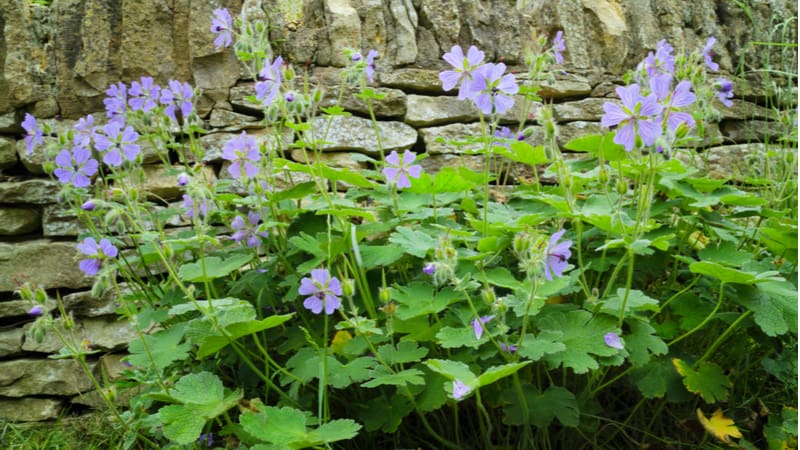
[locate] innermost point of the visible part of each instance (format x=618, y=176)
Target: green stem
x=722, y=337
x=705, y=321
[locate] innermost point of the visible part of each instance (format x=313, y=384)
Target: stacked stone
x=57, y=62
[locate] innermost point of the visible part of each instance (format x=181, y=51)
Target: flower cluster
x=487, y=85
x=656, y=104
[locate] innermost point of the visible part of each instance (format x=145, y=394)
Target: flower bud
x=348, y=287
x=622, y=187
x=40, y=296
x=36, y=311
x=68, y=322
x=488, y=296
x=429, y=269
x=385, y=294
x=602, y=177
x=183, y=179
x=88, y=205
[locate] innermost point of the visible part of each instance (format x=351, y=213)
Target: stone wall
x=56, y=62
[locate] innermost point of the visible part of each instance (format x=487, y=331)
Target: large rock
x=85, y=304
x=14, y=221
x=344, y=29
x=100, y=333
x=354, y=133
x=8, y=153
x=11, y=342
x=48, y=264
x=448, y=138
x=412, y=80
x=391, y=106
x=38, y=191
x=29, y=409
x=20, y=308
x=403, y=40
x=23, y=377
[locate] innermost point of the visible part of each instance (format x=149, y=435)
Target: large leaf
x=774, y=304
x=213, y=344
x=382, y=376
x=159, y=349
x=709, y=381
x=403, y=352
x=420, y=299
x=542, y=407
x=495, y=373
x=413, y=242
x=719, y=426
x=212, y=267
x=287, y=427
x=582, y=338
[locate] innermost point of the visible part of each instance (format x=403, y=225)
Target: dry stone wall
x=56, y=63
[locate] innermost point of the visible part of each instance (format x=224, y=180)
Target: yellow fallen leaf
x=719, y=426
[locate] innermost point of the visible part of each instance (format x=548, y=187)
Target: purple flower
x=477, y=325
x=660, y=62
x=188, y=203
x=559, y=46
x=36, y=311
x=463, y=65
x=143, y=95
x=323, y=291
x=724, y=90
x=84, y=132
x=183, y=179
x=247, y=231
x=635, y=115
x=613, y=341
x=460, y=389
x=708, y=54
x=178, y=94
x=508, y=348
x=34, y=134
x=222, y=26
x=207, y=439
x=397, y=171
x=269, y=81
x=117, y=142
x=370, y=69
x=556, y=256
x=243, y=153
x=76, y=167
x=88, y=205
x=672, y=100
x=429, y=269
x=97, y=253
x=492, y=89
x=116, y=101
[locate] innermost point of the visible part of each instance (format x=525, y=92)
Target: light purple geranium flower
x=189, y=204
x=463, y=65
x=243, y=153
x=556, y=256
x=477, y=325
x=222, y=26
x=511, y=348
x=492, y=89
x=269, y=81
x=89, y=205
x=97, y=254
x=84, y=132
x=724, y=89
x=612, y=340
x=672, y=100
x=76, y=167
x=323, y=291
x=559, y=46
x=397, y=171
x=143, y=94
x=178, y=94
x=247, y=231
x=116, y=142
x=116, y=101
x=429, y=269
x=460, y=389
x=36, y=311
x=708, y=54
x=207, y=439
x=183, y=179
x=635, y=115
x=369, y=71
x=33, y=134
x=661, y=61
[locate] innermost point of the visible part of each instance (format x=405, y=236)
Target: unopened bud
x=622, y=187
x=348, y=287
x=488, y=296
x=385, y=294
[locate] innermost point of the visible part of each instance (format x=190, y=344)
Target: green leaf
x=449, y=337
x=215, y=267
x=382, y=376
x=495, y=373
x=449, y=180
x=341, y=375
x=547, y=342
x=301, y=190
x=523, y=152
x=179, y=425
x=722, y=273
x=774, y=304
x=413, y=242
x=333, y=431
x=542, y=407
x=709, y=381
x=212, y=344
x=404, y=352
x=725, y=253
x=386, y=416
x=642, y=342
x=276, y=425
x=419, y=299
x=453, y=370
x=373, y=256
x=164, y=347
x=656, y=379
x=637, y=302
x=434, y=395
x=582, y=339
x=500, y=276
x=589, y=143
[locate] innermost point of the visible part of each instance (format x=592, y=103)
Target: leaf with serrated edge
x=719, y=426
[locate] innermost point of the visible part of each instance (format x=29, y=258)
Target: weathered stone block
x=443, y=139
x=46, y=263
x=23, y=377
x=29, y=409
x=15, y=221
x=8, y=152
x=355, y=133
x=11, y=341
x=38, y=191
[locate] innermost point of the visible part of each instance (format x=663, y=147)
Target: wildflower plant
x=353, y=305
